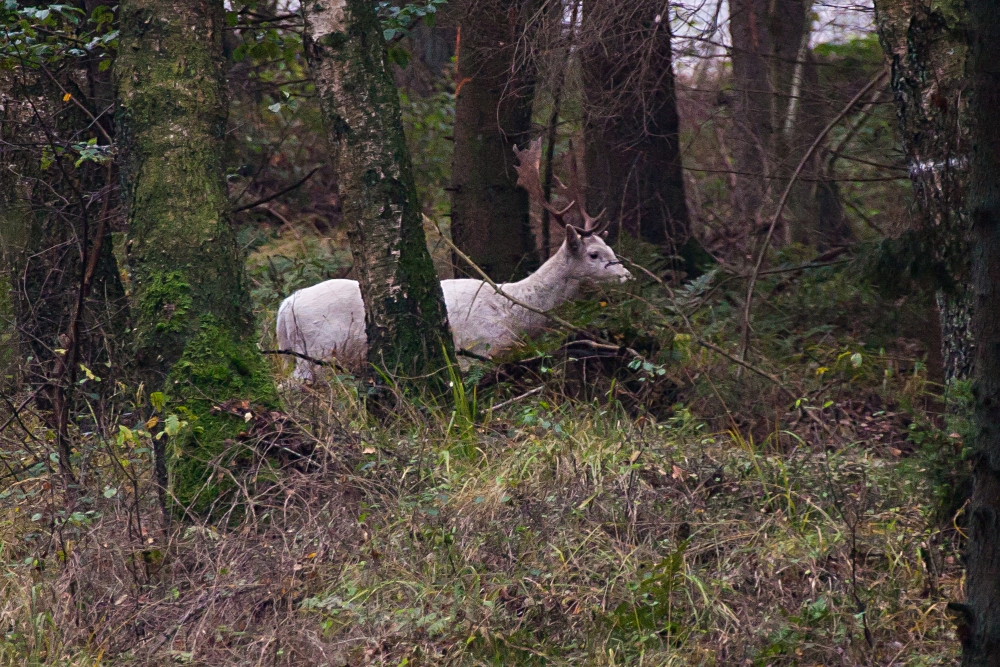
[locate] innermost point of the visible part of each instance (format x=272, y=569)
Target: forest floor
x=660, y=509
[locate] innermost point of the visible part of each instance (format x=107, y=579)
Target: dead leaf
x=677, y=473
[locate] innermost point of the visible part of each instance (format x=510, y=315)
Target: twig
x=766, y=375
x=784, y=199
x=534, y=391
x=318, y=362
x=277, y=194
x=749, y=367
x=462, y=352
x=201, y=604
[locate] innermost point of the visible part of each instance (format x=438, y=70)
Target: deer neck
x=549, y=286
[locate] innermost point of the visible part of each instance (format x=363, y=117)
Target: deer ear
x=572, y=239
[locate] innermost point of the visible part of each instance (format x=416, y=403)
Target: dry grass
x=555, y=533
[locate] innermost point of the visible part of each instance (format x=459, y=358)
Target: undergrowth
x=658, y=505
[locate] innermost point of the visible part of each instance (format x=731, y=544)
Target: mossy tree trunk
x=981, y=636
x=927, y=46
x=405, y=318
x=490, y=215
x=633, y=160
x=195, y=336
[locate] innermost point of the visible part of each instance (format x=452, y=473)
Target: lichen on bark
x=927, y=45
x=405, y=319
x=195, y=335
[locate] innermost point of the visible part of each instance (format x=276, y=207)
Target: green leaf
x=172, y=425
x=389, y=33
x=275, y=108
x=158, y=400
x=110, y=491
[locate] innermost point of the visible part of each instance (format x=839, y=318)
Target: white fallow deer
x=328, y=320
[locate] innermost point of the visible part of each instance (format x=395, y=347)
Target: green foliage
x=428, y=122
x=50, y=35
x=654, y=613
x=397, y=20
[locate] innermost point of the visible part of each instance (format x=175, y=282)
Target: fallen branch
x=277, y=194
x=534, y=391
x=318, y=362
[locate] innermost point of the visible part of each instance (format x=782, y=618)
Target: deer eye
x=593, y=255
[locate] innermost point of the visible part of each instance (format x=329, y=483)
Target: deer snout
x=626, y=275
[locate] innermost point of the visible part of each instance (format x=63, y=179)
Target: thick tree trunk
x=195, y=332
x=768, y=38
x=632, y=157
x=927, y=46
x=981, y=637
x=405, y=318
x=490, y=215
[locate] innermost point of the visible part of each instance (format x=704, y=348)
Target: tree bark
x=768, y=37
x=195, y=334
x=981, y=633
x=490, y=215
x=405, y=318
x=927, y=46
x=632, y=155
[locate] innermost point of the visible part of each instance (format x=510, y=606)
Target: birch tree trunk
x=490, y=215
x=195, y=332
x=633, y=160
x=405, y=318
x=927, y=46
x=981, y=633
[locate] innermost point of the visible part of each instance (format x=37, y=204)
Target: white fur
x=328, y=319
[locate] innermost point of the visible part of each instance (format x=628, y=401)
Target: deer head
x=590, y=258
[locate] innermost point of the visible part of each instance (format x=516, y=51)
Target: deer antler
x=529, y=177
x=576, y=192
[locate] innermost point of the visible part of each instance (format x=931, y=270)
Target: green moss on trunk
x=195, y=334
x=405, y=316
